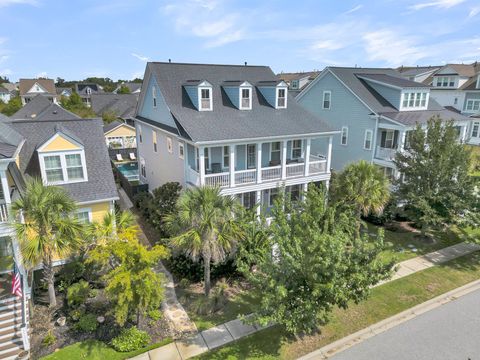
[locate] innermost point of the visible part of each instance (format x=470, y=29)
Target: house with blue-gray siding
x=375, y=109
x=234, y=127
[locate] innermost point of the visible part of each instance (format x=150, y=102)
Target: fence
x=124, y=152
x=130, y=188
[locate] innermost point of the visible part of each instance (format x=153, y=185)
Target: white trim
x=181, y=145
x=223, y=156
x=55, y=136
x=329, y=100
x=87, y=210
x=210, y=92
x=270, y=150
x=346, y=137
x=240, y=98
x=368, y=131
x=63, y=164
x=116, y=127
x=246, y=156
x=169, y=145
x=154, y=141
x=278, y=88
x=97, y=201
x=475, y=123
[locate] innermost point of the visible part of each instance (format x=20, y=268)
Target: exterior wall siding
x=233, y=95
x=269, y=93
x=192, y=92
x=121, y=131
x=447, y=97
x=345, y=110
x=160, y=113
x=59, y=144
x=392, y=95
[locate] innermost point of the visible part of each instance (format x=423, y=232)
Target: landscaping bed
x=385, y=301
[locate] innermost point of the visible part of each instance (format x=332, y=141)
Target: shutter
x=384, y=137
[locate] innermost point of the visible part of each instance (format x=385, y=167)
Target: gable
x=59, y=142
x=121, y=130
x=37, y=88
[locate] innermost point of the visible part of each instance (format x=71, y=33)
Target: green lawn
x=385, y=301
x=97, y=350
x=241, y=304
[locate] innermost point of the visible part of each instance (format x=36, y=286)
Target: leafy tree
x=75, y=104
x=109, y=116
x=315, y=264
x=120, y=223
x=12, y=106
x=59, y=82
x=133, y=286
x=4, y=79
x=123, y=90
x=205, y=227
x=363, y=187
x=48, y=231
x=437, y=188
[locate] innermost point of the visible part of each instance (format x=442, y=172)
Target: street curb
x=342, y=344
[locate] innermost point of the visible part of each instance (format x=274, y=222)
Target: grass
x=385, y=301
x=97, y=350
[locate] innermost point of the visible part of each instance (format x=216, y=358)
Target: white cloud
x=443, y=4
x=42, y=74
x=140, y=57
x=474, y=12
x=6, y=72
x=4, y=3
x=352, y=10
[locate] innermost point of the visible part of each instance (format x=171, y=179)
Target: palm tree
x=363, y=187
x=48, y=231
x=205, y=225
x=112, y=225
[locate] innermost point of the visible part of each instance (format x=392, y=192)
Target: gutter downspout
x=375, y=136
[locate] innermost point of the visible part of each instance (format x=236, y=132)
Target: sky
x=115, y=38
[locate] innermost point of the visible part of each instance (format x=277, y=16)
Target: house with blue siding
x=235, y=127
x=374, y=109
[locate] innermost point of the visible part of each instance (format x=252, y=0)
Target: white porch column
x=284, y=159
x=464, y=133
x=307, y=157
x=259, y=163
x=201, y=161
x=329, y=153
x=259, y=201
x=5, y=187
x=305, y=189
x=402, y=136
x=231, y=162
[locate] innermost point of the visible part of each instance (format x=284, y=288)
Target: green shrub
x=78, y=293
x=184, y=267
x=76, y=314
x=155, y=314
x=49, y=339
x=130, y=340
x=184, y=283
x=203, y=306
x=87, y=323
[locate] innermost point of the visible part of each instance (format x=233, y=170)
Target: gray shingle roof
x=393, y=80
x=81, y=88
x=100, y=184
x=417, y=70
x=123, y=105
x=422, y=116
x=226, y=122
x=40, y=108
x=111, y=126
x=130, y=85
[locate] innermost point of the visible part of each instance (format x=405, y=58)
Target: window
x=205, y=99
x=327, y=99
x=272, y=195
x=143, y=170
x=206, y=158
x=281, y=98
x=181, y=150
x=275, y=152
x=245, y=101
x=344, y=138
x=248, y=199
x=140, y=138
x=445, y=81
x=226, y=156
x=169, y=145
x=294, y=84
x=63, y=167
x=154, y=140
x=473, y=105
x=476, y=129
x=251, y=156
x=367, y=145
x=53, y=168
x=293, y=192
x=388, y=139
x=154, y=96
x=296, y=149
x=84, y=216
x=389, y=172
x=455, y=102
x=414, y=100
x=89, y=91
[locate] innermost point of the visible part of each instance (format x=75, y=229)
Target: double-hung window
x=344, y=136
x=275, y=152
x=327, y=100
x=205, y=99
x=245, y=99
x=63, y=168
x=84, y=216
x=154, y=96
x=296, y=149
x=226, y=156
x=53, y=168
x=251, y=156
x=74, y=167
x=281, y=98
x=473, y=105
x=367, y=145
x=154, y=140
x=476, y=129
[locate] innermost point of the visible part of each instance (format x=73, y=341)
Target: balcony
x=386, y=154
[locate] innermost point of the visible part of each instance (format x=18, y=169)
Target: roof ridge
x=204, y=64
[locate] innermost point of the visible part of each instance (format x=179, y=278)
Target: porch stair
x=11, y=341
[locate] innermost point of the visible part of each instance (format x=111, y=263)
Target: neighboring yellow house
x=119, y=135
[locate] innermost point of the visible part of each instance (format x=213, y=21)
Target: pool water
x=129, y=170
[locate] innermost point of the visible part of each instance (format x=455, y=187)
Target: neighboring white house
x=5, y=95
x=375, y=110
x=30, y=88
x=229, y=126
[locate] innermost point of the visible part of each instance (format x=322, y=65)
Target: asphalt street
x=449, y=332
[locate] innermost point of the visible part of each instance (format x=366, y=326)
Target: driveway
x=449, y=332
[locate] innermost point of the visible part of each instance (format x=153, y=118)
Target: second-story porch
x=246, y=164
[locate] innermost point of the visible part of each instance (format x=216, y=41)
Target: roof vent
x=169, y=60
x=55, y=111
x=245, y=63
x=33, y=116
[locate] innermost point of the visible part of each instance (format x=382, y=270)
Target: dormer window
x=205, y=99
x=445, y=81
x=414, y=100
x=245, y=98
x=89, y=91
x=62, y=168
x=281, y=98
x=294, y=84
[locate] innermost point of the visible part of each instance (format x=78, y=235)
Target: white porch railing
x=246, y=176
x=3, y=213
x=193, y=177
x=317, y=167
x=220, y=179
x=272, y=173
x=385, y=153
x=296, y=169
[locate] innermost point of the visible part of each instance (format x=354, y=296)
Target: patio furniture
x=132, y=156
x=119, y=157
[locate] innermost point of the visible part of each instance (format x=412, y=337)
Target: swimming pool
x=129, y=170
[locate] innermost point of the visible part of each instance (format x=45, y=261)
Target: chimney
x=245, y=63
x=169, y=60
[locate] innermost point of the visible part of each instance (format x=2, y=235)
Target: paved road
x=450, y=332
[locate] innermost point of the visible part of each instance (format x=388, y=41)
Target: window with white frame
x=251, y=156
x=272, y=196
x=246, y=98
x=226, y=156
x=344, y=136
x=388, y=139
x=296, y=149
x=367, y=144
x=294, y=84
x=63, y=167
x=205, y=99
x=154, y=140
x=414, y=100
x=275, y=151
x=327, y=100
x=473, y=105
x=281, y=98
x=444, y=81
x=84, y=215
x=154, y=96
x=181, y=150
x=476, y=129
x=169, y=145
